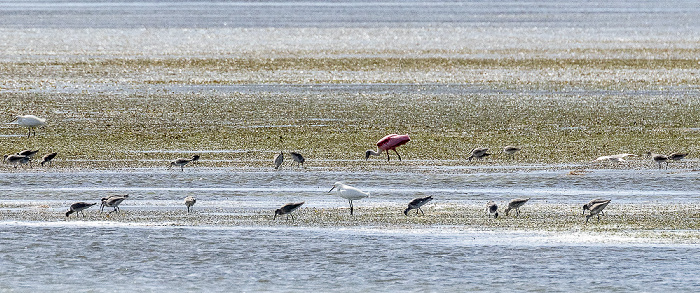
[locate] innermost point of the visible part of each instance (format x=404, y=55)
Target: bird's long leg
x=421, y=211
x=387, y=156
x=397, y=154
x=350, y=206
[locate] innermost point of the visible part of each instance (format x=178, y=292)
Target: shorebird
x=597, y=209
x=113, y=201
x=659, y=159
x=279, y=159
x=591, y=203
x=615, y=158
x=516, y=204
x=479, y=153
x=17, y=159
x=388, y=143
x=29, y=121
x=417, y=203
x=287, y=210
x=28, y=153
x=298, y=158
x=348, y=192
x=181, y=162
x=511, y=150
x=677, y=156
x=195, y=159
x=189, y=202
x=47, y=158
x=492, y=209
x=78, y=207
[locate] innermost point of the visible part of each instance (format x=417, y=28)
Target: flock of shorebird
x=386, y=144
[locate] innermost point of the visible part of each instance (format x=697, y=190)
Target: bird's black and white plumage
x=479, y=153
x=597, y=209
x=677, y=156
x=659, y=159
x=516, y=204
x=279, y=159
x=180, y=162
x=298, y=158
x=28, y=153
x=47, y=158
x=492, y=209
x=195, y=159
x=113, y=201
x=587, y=207
x=189, y=202
x=78, y=207
x=417, y=203
x=287, y=209
x=17, y=159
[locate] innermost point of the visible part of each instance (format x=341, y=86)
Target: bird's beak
x=332, y=188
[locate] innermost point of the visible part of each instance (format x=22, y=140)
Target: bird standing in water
x=388, y=143
x=189, y=202
x=348, y=192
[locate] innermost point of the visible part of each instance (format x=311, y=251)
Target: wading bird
x=492, y=209
x=389, y=143
x=17, y=159
x=180, y=162
x=113, y=201
x=417, y=203
x=677, y=156
x=287, y=210
x=591, y=203
x=29, y=121
x=47, y=158
x=298, y=158
x=659, y=159
x=479, y=153
x=348, y=192
x=279, y=159
x=28, y=153
x=597, y=209
x=78, y=207
x=509, y=150
x=195, y=159
x=516, y=204
x=189, y=202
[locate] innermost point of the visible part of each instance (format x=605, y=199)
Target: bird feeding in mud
x=298, y=158
x=591, y=203
x=388, y=143
x=659, y=159
x=17, y=159
x=31, y=122
x=113, y=201
x=417, y=203
x=516, y=204
x=597, y=209
x=78, y=207
x=509, y=150
x=492, y=209
x=279, y=159
x=348, y=192
x=479, y=153
x=287, y=209
x=47, y=158
x=189, y=202
x=180, y=162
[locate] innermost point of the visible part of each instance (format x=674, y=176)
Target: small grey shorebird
x=189, y=202
x=659, y=159
x=479, y=153
x=195, y=159
x=587, y=207
x=509, y=150
x=516, y=204
x=287, y=209
x=47, y=158
x=279, y=159
x=113, y=201
x=180, y=162
x=298, y=158
x=677, y=156
x=597, y=209
x=417, y=203
x=78, y=207
x=17, y=159
x=492, y=209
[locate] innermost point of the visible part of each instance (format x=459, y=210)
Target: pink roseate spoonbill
x=78, y=208
x=287, y=210
x=348, y=192
x=597, y=209
x=189, y=202
x=30, y=122
x=389, y=143
x=417, y=203
x=516, y=204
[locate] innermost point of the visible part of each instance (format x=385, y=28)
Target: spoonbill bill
x=417, y=203
x=30, y=122
x=47, y=158
x=516, y=204
x=287, y=209
x=298, y=158
x=348, y=192
x=189, y=202
x=587, y=207
x=597, y=209
x=78, y=207
x=180, y=162
x=492, y=209
x=479, y=153
x=279, y=159
x=113, y=201
x=388, y=143
x=17, y=159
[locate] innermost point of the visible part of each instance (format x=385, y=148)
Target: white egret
x=29, y=121
x=348, y=192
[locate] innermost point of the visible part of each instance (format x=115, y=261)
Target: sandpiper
x=492, y=209
x=596, y=209
x=516, y=204
x=287, y=209
x=78, y=207
x=417, y=203
x=189, y=202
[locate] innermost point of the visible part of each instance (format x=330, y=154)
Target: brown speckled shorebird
x=596, y=209
x=287, y=209
x=516, y=204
